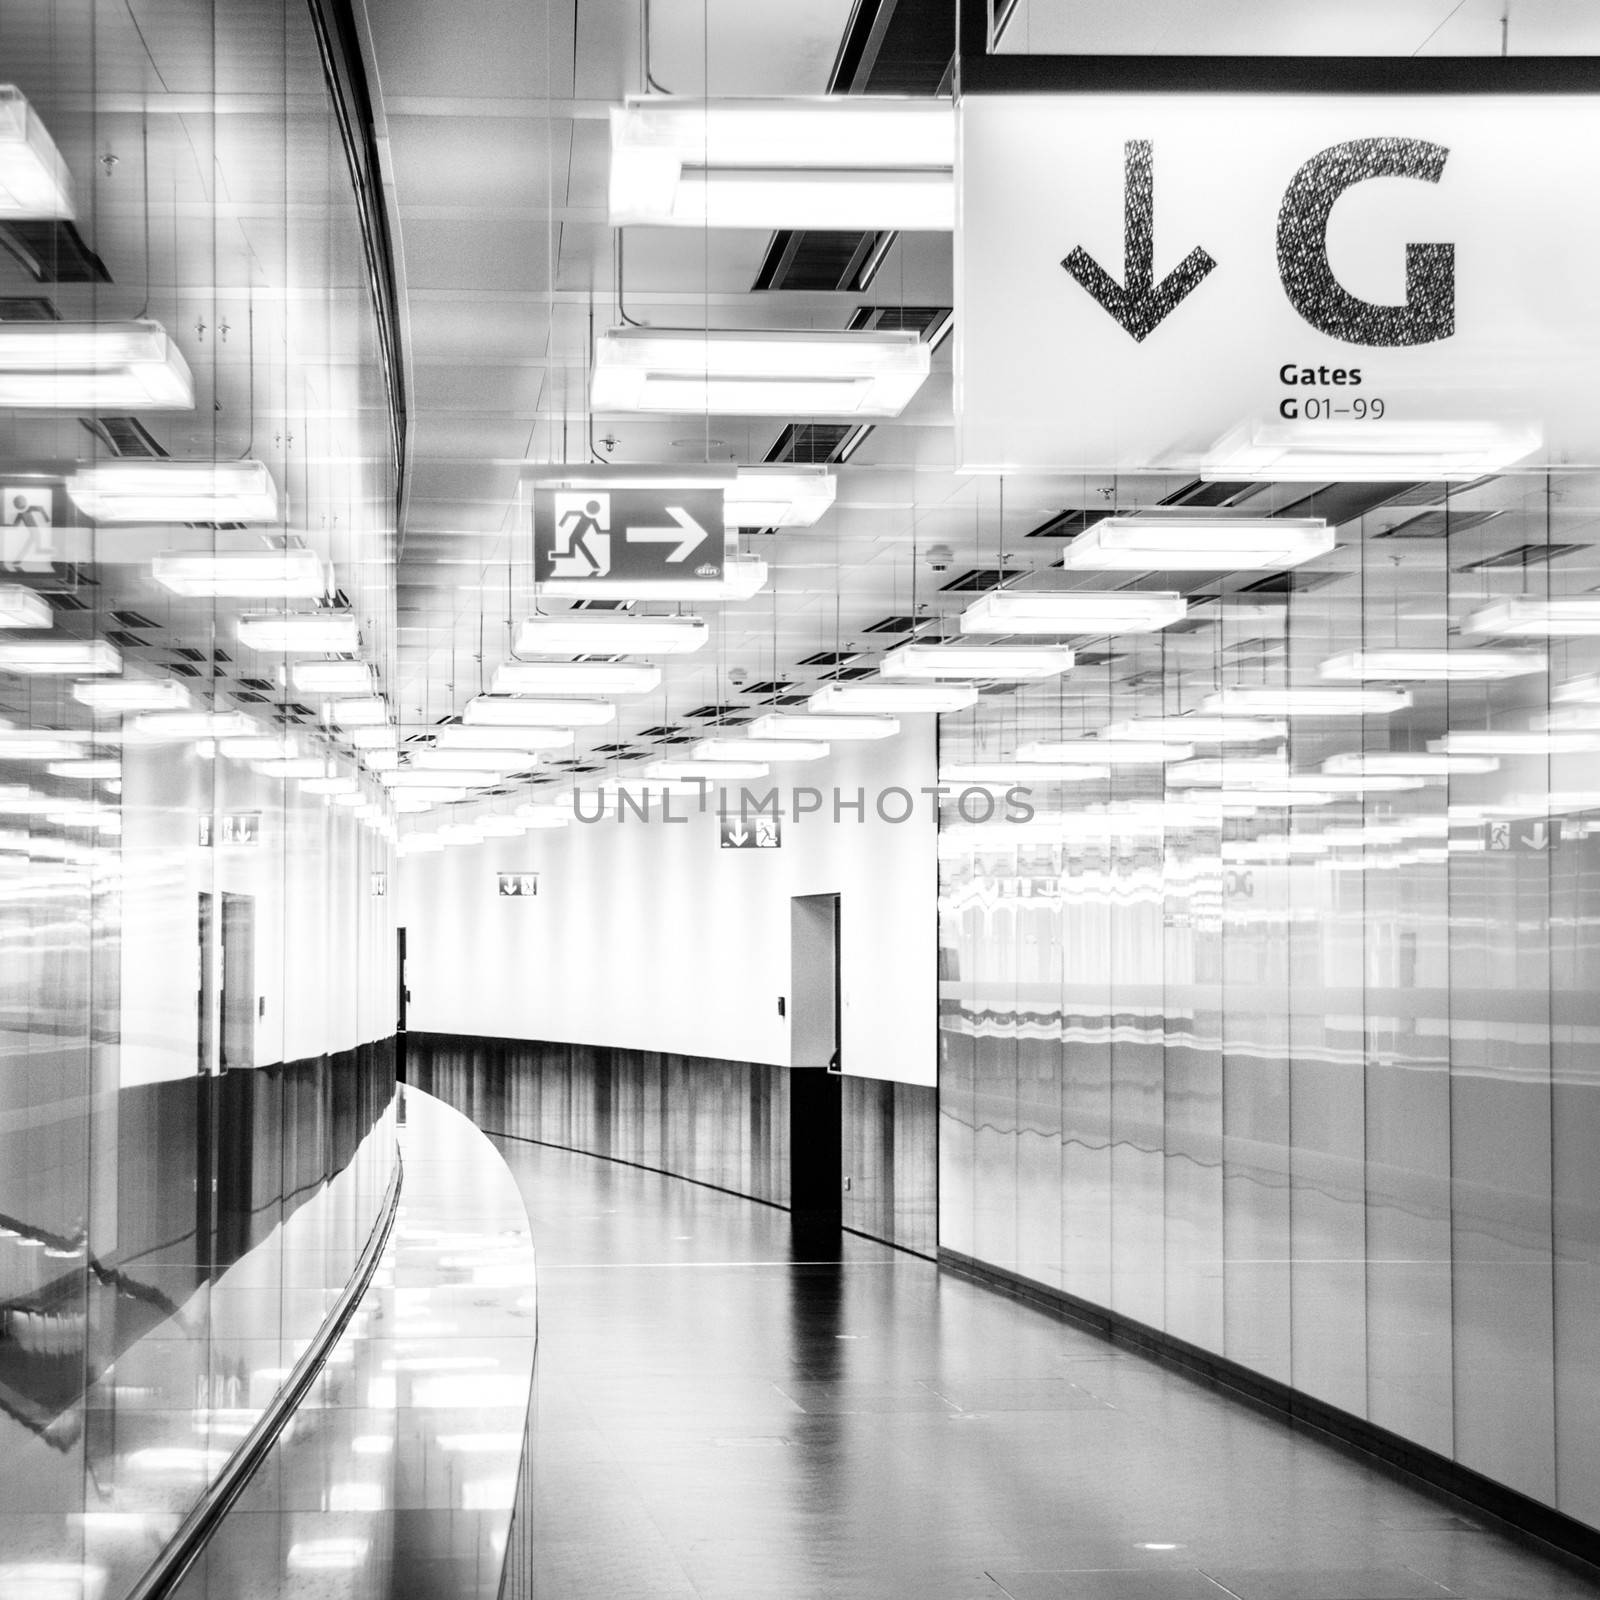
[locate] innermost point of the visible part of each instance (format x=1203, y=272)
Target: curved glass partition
x=197, y=480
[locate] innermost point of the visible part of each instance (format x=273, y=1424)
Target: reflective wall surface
x=196, y=958
x=1284, y=1042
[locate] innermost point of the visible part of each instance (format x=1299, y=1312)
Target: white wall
x=650, y=936
x=324, y=943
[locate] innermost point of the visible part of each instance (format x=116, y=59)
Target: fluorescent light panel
x=1308, y=702
x=499, y=760
x=1433, y=666
x=360, y=711
x=743, y=372
x=21, y=607
x=1407, y=764
x=787, y=496
x=1000, y=663
x=243, y=574
x=709, y=771
x=880, y=698
x=175, y=491
x=1571, y=616
x=35, y=182
x=191, y=724
x=1511, y=743
x=1369, y=451
x=322, y=632
x=471, y=737
x=584, y=678
x=1198, y=730
x=132, y=366
x=819, y=725
x=1198, y=543
x=492, y=711
x=756, y=749
x=54, y=658
x=331, y=677
x=610, y=633
x=1078, y=611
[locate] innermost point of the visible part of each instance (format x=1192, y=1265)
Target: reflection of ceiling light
x=131, y=694
x=1198, y=543
x=1516, y=744
x=1356, y=782
x=1229, y=772
x=175, y=491
x=331, y=677
x=1102, y=752
x=129, y=366
x=376, y=760
x=778, y=497
x=337, y=787
x=327, y=1555
x=993, y=662
x=1074, y=611
x=418, y=797
x=760, y=750
x=414, y=778
x=291, y=767
x=361, y=711
x=500, y=827
x=83, y=767
x=742, y=577
x=1433, y=666
x=609, y=633
x=1198, y=730
x=907, y=699
x=1584, y=690
x=374, y=738
x=489, y=711
x=20, y=607
x=711, y=771
x=1020, y=771
x=1369, y=451
x=244, y=574
x=1570, y=615
x=191, y=724
x=35, y=183
x=1406, y=764
x=815, y=725
x=545, y=816
x=258, y=747
x=50, y=658
x=416, y=844
x=1312, y=702
x=500, y=760
x=853, y=162
x=758, y=372
x=322, y=632
x=22, y=745
x=576, y=677
x=479, y=738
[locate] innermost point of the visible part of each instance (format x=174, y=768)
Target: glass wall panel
x=196, y=956
x=1325, y=1069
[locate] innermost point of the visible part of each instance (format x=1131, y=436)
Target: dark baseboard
x=1575, y=1543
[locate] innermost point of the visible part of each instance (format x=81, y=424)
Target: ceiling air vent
x=761, y=690
x=1524, y=555
x=1068, y=524
x=980, y=578
x=811, y=444
x=899, y=624
x=124, y=436
x=133, y=619
x=53, y=252
x=1201, y=493
x=1440, y=524
x=829, y=658
x=1287, y=583
x=929, y=321
x=66, y=602
x=124, y=640
x=1339, y=503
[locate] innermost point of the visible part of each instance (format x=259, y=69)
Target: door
x=238, y=982
x=402, y=995
x=815, y=1179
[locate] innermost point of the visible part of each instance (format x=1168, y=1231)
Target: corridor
x=718, y=1421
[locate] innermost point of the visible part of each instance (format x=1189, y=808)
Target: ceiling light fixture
x=610, y=633
x=175, y=491
x=1105, y=752
x=778, y=497
x=259, y=746
x=52, y=658
x=191, y=724
x=1568, y=616
x=1197, y=543
x=996, y=663
x=499, y=760
x=894, y=699
x=338, y=788
x=1369, y=451
x=709, y=771
x=291, y=574
x=131, y=694
x=291, y=767
x=1309, y=702
x=35, y=183
x=1092, y=611
x=360, y=711
x=586, y=678
x=21, y=607
x=1433, y=666
x=462, y=737
x=373, y=738
x=819, y=725
x=332, y=677
x=458, y=779
x=131, y=366
x=1198, y=730
x=1511, y=743
x=322, y=632
x=755, y=749
x=758, y=372
x=1407, y=764
x=493, y=711
x=852, y=162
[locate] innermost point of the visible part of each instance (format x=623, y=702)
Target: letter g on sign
x=1429, y=312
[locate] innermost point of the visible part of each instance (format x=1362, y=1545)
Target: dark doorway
x=401, y=996
x=238, y=982
x=815, y=1182
x=206, y=1030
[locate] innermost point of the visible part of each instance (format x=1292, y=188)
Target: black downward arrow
x=1139, y=303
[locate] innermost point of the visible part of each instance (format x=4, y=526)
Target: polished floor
x=715, y=1420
